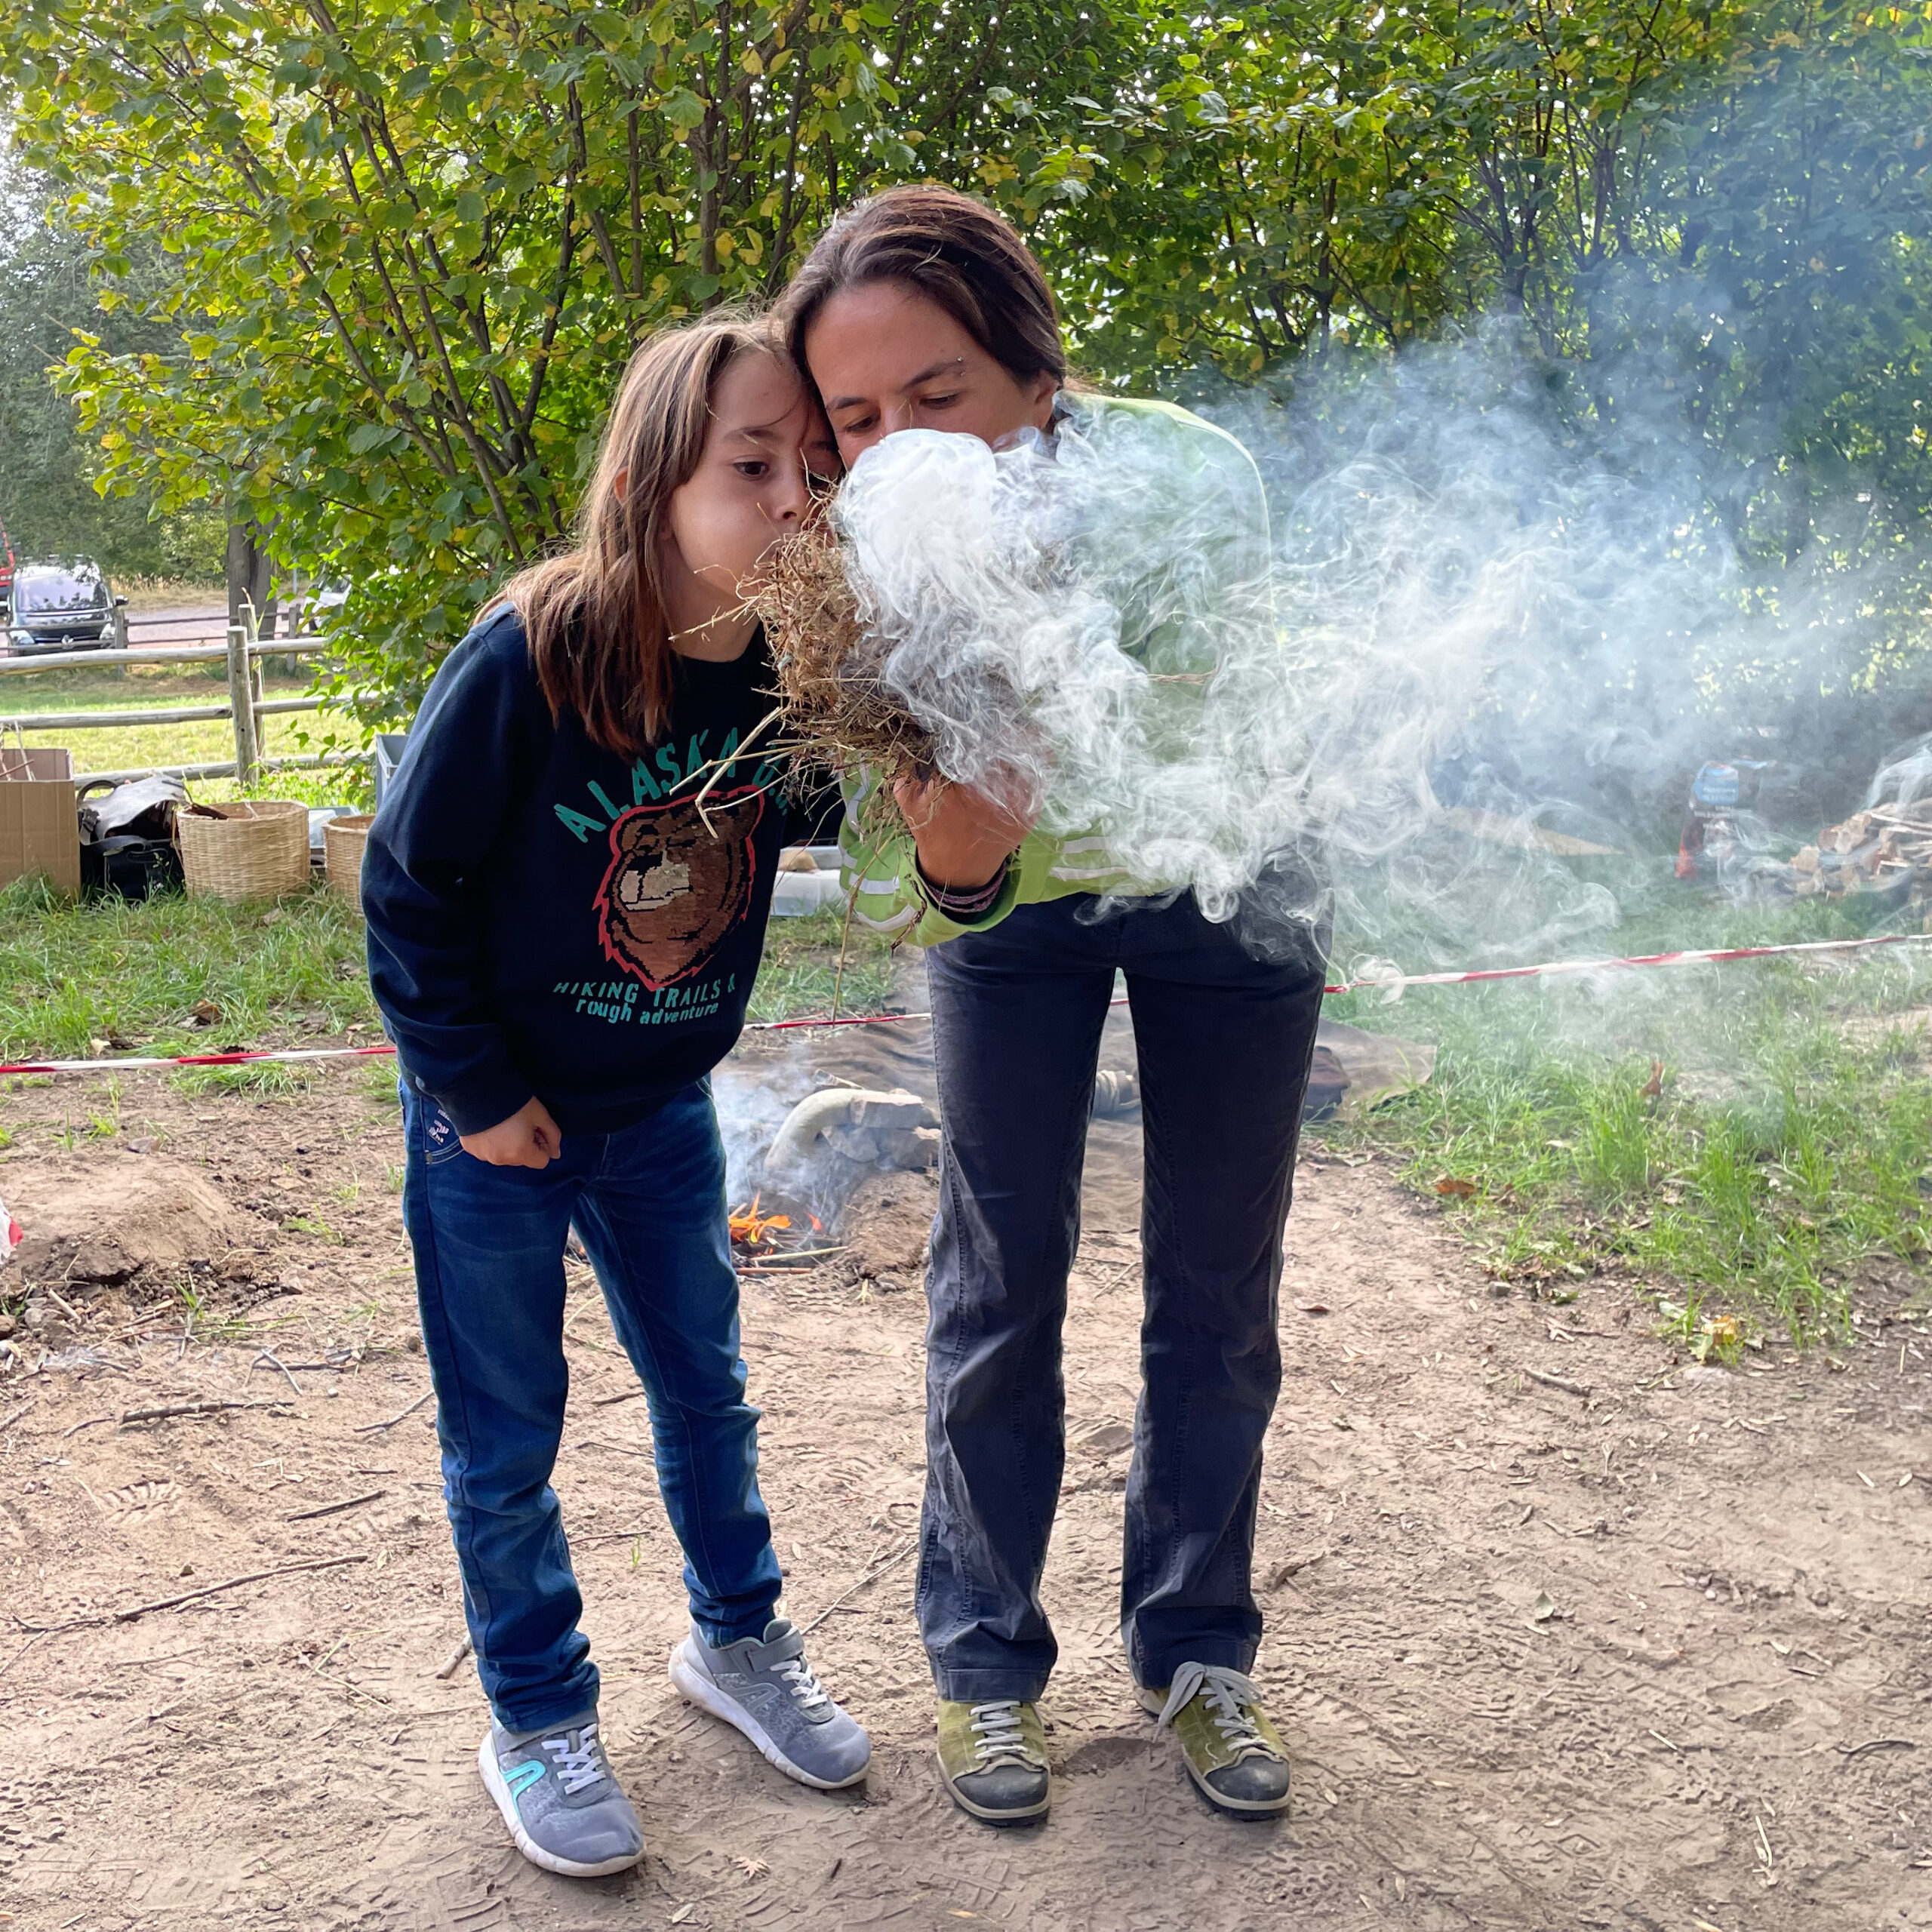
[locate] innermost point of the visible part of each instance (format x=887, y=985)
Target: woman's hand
x=530, y=1138
x=963, y=836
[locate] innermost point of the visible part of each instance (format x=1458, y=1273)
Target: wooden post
x=241, y=702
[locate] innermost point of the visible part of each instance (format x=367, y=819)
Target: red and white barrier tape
x=1548, y=969
x=1715, y=956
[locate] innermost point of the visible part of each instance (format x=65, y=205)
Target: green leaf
x=683, y=110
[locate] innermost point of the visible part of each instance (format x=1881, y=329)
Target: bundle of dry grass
x=837, y=713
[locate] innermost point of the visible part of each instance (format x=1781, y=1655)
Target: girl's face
x=886, y=357
x=766, y=447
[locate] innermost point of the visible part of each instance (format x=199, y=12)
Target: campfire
x=753, y=1232
x=763, y=1243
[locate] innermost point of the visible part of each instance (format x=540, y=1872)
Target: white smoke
x=1085, y=628
x=1459, y=609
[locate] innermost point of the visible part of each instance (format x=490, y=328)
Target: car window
x=40, y=588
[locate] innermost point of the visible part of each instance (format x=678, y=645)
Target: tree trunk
x=250, y=580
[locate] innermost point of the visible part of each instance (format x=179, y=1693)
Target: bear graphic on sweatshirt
x=675, y=886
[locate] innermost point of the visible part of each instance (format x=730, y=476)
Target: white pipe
x=861, y=1124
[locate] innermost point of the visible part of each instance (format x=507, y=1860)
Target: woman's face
x=885, y=357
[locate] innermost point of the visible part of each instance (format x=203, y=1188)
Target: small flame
x=749, y=1228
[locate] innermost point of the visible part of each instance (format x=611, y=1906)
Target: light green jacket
x=1221, y=479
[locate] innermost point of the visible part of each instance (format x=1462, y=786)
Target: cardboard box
x=40, y=824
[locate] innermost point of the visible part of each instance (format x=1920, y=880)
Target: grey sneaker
x=765, y=1687
x=561, y=1799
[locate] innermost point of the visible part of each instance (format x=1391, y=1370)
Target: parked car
x=61, y=604
x=310, y=609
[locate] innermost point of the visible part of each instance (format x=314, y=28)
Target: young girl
x=563, y=946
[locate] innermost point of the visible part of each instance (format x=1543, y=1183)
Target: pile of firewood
x=1882, y=848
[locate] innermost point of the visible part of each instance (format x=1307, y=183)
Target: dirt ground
x=1652, y=1657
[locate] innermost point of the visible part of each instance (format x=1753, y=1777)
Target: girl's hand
x=530, y=1138
x=963, y=835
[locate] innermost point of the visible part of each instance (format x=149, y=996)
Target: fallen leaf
x=1450, y=1184
x=677, y=1918
x=752, y=1867
x=1653, y=1086
x=1312, y=1307
x=1543, y=1609
x=205, y=1013
x=1342, y=1422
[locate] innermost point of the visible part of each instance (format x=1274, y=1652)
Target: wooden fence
x=246, y=707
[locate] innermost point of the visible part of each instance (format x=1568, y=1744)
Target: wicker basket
x=256, y=848
x=343, y=840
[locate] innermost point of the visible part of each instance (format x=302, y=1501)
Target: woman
x=922, y=308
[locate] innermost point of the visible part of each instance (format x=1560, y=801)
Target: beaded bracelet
x=957, y=904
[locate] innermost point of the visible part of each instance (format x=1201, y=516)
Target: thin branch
x=140, y=1610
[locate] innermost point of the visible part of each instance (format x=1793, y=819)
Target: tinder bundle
x=1082, y=628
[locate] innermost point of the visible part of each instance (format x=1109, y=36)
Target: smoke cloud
x=1479, y=640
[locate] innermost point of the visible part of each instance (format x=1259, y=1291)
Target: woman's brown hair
x=956, y=253
x=595, y=616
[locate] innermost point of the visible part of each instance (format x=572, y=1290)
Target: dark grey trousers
x=1224, y=1041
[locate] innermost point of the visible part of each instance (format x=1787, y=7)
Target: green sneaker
x=1230, y=1746
x=993, y=1758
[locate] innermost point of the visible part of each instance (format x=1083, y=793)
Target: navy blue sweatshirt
x=548, y=918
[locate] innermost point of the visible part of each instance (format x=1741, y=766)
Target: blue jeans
x=1224, y=1042
x=648, y=1204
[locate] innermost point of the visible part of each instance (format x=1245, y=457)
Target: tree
x=416, y=242
x=411, y=244
x=48, y=503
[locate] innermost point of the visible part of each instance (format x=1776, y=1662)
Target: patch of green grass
x=314, y=1227
x=114, y=969
x=379, y=1084
x=264, y=1081
x=801, y=966
x=109, y=970
x=1749, y=1138
x=105, y=1125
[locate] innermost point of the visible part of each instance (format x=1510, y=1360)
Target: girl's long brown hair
x=595, y=616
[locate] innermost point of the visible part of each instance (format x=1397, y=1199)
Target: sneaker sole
x=1153, y=1702
x=567, y=1868
x=691, y=1683
x=990, y=1817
